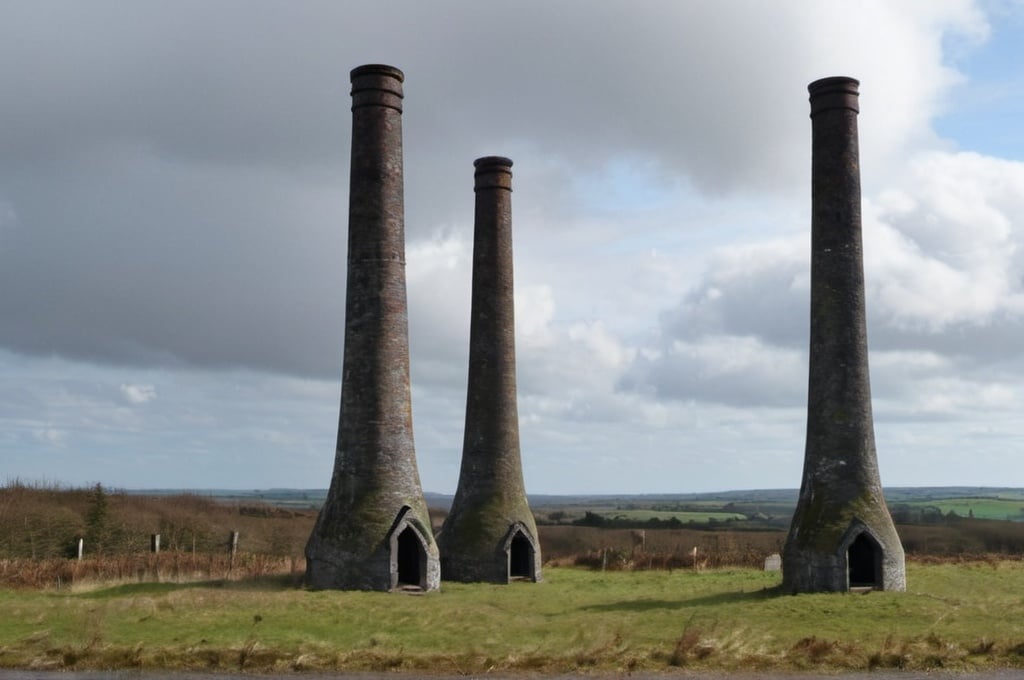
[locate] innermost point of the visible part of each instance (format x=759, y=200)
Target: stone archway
x=864, y=562
x=410, y=560
x=520, y=554
x=408, y=554
x=520, y=557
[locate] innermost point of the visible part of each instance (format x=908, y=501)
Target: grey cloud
x=222, y=83
x=738, y=337
x=144, y=263
x=765, y=310
x=770, y=303
x=764, y=378
x=988, y=343
x=177, y=172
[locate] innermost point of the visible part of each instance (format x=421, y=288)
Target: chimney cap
x=836, y=92
x=377, y=69
x=482, y=164
x=492, y=172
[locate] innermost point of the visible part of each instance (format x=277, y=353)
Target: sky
x=173, y=225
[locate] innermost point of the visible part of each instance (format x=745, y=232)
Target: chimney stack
x=490, y=534
x=842, y=535
x=373, y=532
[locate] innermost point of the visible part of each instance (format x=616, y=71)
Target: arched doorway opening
x=520, y=557
x=411, y=559
x=864, y=559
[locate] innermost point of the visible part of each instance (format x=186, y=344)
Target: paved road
x=688, y=675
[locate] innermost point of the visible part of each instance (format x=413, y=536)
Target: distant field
x=908, y=494
x=953, y=617
x=682, y=516
x=979, y=508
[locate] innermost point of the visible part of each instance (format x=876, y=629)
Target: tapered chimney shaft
x=374, y=532
x=842, y=535
x=490, y=534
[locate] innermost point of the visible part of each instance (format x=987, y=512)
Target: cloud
x=202, y=211
x=438, y=276
x=733, y=370
x=138, y=394
x=50, y=436
x=944, y=281
x=173, y=202
x=947, y=243
x=237, y=429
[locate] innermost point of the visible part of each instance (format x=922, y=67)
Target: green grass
x=981, y=508
x=954, y=616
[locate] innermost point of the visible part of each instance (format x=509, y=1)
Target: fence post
x=232, y=548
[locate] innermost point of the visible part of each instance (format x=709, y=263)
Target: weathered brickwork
x=842, y=534
x=490, y=534
x=374, y=532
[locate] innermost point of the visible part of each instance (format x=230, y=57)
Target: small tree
x=96, y=519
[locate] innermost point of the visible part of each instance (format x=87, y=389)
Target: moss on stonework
x=363, y=525
x=823, y=522
x=472, y=541
x=483, y=525
x=372, y=509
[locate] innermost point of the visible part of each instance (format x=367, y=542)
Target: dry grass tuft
x=691, y=646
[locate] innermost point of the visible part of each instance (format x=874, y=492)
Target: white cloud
x=944, y=246
x=896, y=50
x=138, y=394
x=50, y=436
x=535, y=309
x=438, y=276
x=601, y=345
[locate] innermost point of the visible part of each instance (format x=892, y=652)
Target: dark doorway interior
x=411, y=557
x=862, y=558
x=520, y=557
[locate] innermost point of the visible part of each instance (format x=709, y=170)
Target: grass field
x=965, y=616
x=683, y=516
x=980, y=508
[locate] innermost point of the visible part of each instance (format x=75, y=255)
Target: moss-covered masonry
x=841, y=493
x=375, y=488
x=491, y=499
